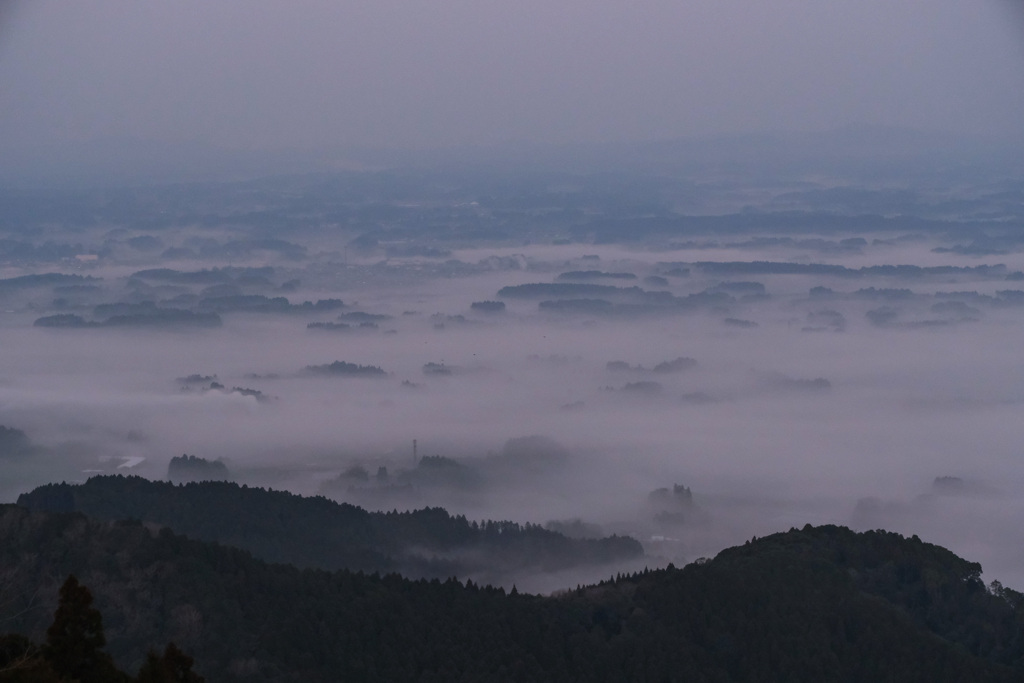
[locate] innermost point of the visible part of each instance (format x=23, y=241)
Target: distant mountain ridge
x=319, y=533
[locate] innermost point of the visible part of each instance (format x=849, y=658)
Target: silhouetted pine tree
x=75, y=640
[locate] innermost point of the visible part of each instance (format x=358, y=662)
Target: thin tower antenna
x=414, y=451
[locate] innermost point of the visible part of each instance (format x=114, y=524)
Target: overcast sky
x=412, y=73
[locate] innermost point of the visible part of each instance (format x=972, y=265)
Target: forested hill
x=316, y=532
x=819, y=604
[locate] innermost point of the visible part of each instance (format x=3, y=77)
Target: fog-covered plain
x=781, y=377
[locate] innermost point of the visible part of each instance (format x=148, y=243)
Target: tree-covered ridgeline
x=316, y=532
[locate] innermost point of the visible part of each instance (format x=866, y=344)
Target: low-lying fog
x=843, y=404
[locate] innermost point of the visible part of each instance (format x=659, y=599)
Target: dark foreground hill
x=318, y=533
x=819, y=604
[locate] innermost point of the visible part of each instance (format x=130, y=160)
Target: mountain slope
x=818, y=604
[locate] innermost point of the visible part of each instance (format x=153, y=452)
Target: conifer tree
x=75, y=640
